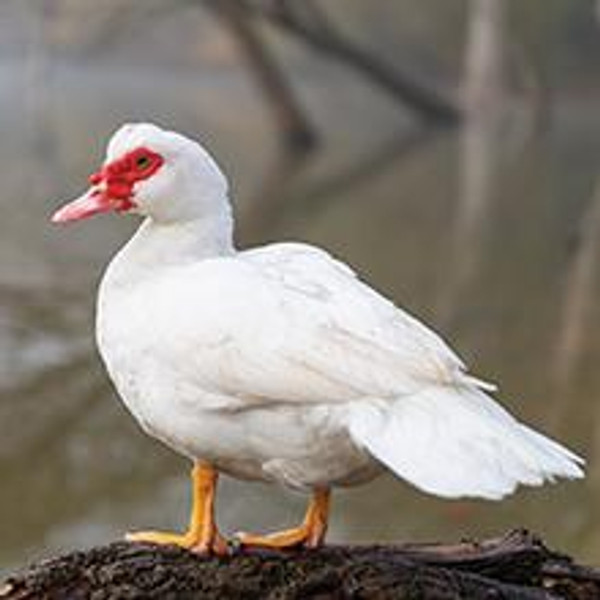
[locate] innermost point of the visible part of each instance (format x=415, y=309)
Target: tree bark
x=515, y=566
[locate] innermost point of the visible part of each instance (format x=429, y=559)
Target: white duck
x=277, y=363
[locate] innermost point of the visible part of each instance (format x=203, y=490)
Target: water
x=496, y=246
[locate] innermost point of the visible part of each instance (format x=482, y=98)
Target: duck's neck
x=156, y=245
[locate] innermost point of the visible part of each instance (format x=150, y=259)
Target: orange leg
x=310, y=533
x=202, y=535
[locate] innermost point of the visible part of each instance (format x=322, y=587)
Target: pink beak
x=93, y=202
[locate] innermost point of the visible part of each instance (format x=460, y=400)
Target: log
x=515, y=566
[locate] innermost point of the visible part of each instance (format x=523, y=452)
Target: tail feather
x=457, y=442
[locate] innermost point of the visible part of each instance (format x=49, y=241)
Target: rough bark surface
x=516, y=566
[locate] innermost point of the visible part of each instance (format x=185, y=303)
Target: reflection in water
x=75, y=468
x=578, y=295
x=291, y=191
x=479, y=162
x=484, y=101
x=573, y=341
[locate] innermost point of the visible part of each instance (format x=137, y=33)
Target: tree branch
x=322, y=36
x=297, y=134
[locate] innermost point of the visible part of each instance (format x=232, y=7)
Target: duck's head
x=152, y=172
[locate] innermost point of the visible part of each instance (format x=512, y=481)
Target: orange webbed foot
x=310, y=534
x=202, y=536
x=214, y=545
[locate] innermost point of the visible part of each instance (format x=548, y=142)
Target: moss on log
x=516, y=566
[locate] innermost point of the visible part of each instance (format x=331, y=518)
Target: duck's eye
x=142, y=162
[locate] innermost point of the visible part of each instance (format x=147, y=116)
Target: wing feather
x=288, y=323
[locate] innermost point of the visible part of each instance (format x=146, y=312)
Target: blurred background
x=448, y=149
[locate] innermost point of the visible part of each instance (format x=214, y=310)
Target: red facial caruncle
x=113, y=186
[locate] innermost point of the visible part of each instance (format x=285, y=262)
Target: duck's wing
x=307, y=329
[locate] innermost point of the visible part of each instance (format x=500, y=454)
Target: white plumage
x=279, y=364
